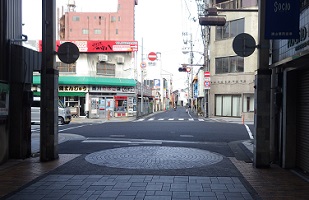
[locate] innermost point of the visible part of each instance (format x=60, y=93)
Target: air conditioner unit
x=120, y=60
x=103, y=58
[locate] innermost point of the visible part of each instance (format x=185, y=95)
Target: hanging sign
x=282, y=19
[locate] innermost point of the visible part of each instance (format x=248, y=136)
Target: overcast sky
x=159, y=23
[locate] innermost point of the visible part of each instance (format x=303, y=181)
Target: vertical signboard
x=282, y=19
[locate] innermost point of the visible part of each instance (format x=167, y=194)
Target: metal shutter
x=302, y=149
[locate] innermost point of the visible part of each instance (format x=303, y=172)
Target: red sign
x=206, y=74
x=99, y=46
x=120, y=97
x=152, y=56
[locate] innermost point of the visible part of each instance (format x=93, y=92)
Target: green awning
x=86, y=80
x=64, y=94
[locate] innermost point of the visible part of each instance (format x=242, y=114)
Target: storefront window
x=121, y=103
x=228, y=105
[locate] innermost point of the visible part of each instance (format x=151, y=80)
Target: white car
x=64, y=113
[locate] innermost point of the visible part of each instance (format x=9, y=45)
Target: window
x=113, y=19
x=248, y=105
x=97, y=31
x=233, y=64
x=228, y=105
x=116, y=31
x=106, y=69
x=230, y=29
x=85, y=31
x=66, y=68
x=75, y=18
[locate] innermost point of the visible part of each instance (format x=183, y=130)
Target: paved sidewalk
x=29, y=179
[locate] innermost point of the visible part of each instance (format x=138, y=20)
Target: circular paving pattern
x=153, y=157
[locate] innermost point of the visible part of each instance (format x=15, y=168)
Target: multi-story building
x=231, y=92
x=117, y=25
x=102, y=80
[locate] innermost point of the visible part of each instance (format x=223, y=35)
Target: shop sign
x=99, y=46
x=120, y=97
x=282, y=19
x=288, y=48
x=112, y=89
x=72, y=88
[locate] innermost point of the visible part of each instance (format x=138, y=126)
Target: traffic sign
x=143, y=65
x=152, y=56
x=244, y=45
x=207, y=85
x=207, y=74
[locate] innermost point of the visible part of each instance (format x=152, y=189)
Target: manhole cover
x=153, y=157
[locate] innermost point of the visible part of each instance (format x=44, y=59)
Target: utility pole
x=142, y=81
x=202, y=8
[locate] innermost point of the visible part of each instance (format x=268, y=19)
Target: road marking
x=142, y=141
x=249, y=131
x=191, y=119
x=161, y=119
x=181, y=119
x=187, y=136
x=201, y=120
x=170, y=119
x=117, y=136
x=72, y=128
x=151, y=119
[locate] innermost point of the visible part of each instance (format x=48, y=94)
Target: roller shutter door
x=302, y=149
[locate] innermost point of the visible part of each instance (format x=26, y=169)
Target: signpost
x=207, y=80
x=152, y=56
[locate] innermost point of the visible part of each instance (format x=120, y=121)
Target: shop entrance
x=101, y=106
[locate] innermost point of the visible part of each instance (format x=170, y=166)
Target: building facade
x=114, y=25
x=290, y=97
x=101, y=82
x=231, y=92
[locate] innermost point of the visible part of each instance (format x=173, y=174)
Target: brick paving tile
x=274, y=182
x=15, y=174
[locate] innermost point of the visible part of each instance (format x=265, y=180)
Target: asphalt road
x=171, y=143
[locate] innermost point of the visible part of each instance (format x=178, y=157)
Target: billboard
x=99, y=46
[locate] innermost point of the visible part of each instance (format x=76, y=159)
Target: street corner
x=243, y=150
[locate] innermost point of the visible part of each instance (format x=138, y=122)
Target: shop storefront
x=95, y=97
x=290, y=88
x=111, y=101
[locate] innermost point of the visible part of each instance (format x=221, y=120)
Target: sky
x=159, y=27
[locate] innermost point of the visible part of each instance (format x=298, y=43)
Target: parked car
x=64, y=113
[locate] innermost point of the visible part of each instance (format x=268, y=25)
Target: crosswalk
x=170, y=119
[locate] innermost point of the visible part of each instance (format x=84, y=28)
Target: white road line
x=249, y=131
x=191, y=119
x=150, y=119
x=161, y=119
x=181, y=119
x=201, y=120
x=72, y=128
x=170, y=119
